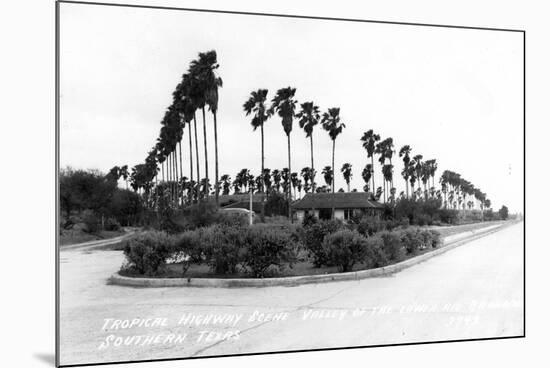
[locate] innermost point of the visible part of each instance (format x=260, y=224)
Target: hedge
x=265, y=250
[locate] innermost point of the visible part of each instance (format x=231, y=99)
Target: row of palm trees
x=198, y=91
x=308, y=115
x=413, y=167
x=455, y=191
x=461, y=193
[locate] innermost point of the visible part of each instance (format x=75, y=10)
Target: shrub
x=309, y=219
x=435, y=238
x=231, y=219
x=91, y=222
x=265, y=249
x=202, y=214
x=345, y=248
x=146, y=253
x=412, y=240
x=312, y=237
x=222, y=247
x=449, y=216
x=503, y=213
x=393, y=246
x=111, y=224
x=187, y=250
x=426, y=239
x=376, y=255
x=293, y=230
x=276, y=220
x=368, y=226
x=423, y=219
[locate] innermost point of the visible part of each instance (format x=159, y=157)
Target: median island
x=229, y=248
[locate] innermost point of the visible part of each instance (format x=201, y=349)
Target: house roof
x=337, y=200
x=256, y=206
x=234, y=198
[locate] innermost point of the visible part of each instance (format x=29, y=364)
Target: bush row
x=263, y=250
x=225, y=249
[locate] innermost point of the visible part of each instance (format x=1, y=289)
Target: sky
x=455, y=95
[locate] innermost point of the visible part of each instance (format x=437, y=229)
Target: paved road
x=99, y=243
x=473, y=291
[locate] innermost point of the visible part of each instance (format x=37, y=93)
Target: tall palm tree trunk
x=168, y=175
x=262, y=173
x=333, y=173
x=372, y=168
x=197, y=154
x=288, y=185
x=181, y=173
x=216, y=174
x=205, y=151
x=392, y=174
x=176, y=176
x=312, y=167
x=190, y=154
x=172, y=176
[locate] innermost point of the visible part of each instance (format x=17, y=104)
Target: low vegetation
x=233, y=249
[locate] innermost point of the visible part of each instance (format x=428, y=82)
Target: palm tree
x=369, y=140
x=387, y=173
x=266, y=180
x=197, y=71
x=328, y=176
x=381, y=150
x=193, y=100
x=212, y=83
x=242, y=178
x=226, y=184
x=276, y=175
x=255, y=105
x=405, y=152
x=331, y=123
x=285, y=175
x=294, y=181
x=366, y=174
x=385, y=149
x=418, y=167
x=284, y=104
x=346, y=172
x=412, y=176
x=309, y=117
x=187, y=110
x=445, y=182
x=306, y=174
x=124, y=173
x=432, y=164
x=389, y=154
x=425, y=176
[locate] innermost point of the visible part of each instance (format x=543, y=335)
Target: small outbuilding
x=344, y=205
x=241, y=200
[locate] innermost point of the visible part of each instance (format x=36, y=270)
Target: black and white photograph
x=233, y=184
x=240, y=183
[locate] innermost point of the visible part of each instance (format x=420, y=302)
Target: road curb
x=117, y=279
